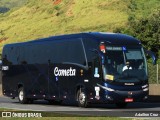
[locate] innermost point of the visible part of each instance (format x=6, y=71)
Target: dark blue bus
x=88, y=68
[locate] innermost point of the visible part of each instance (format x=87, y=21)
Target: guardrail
x=154, y=73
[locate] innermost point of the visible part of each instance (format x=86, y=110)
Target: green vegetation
x=42, y=18
x=12, y=3
x=145, y=29
x=70, y=118
x=59, y=116
x=6, y=5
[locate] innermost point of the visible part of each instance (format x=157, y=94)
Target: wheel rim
x=82, y=98
x=21, y=95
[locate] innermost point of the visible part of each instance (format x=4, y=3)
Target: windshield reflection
x=125, y=64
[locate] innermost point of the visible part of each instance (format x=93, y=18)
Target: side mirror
x=152, y=55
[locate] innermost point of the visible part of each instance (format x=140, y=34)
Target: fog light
x=108, y=97
x=146, y=97
x=91, y=98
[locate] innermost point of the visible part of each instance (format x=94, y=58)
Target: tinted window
x=5, y=57
x=90, y=44
x=35, y=54
x=12, y=55
x=56, y=51
x=66, y=51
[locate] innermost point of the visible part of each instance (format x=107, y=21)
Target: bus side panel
x=36, y=82
x=8, y=81
x=65, y=79
x=33, y=78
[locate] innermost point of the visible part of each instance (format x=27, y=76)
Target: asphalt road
x=95, y=110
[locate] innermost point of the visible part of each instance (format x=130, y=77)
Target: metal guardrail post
x=157, y=75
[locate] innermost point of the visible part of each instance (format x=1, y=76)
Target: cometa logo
x=64, y=72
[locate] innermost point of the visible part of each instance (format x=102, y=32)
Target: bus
x=88, y=68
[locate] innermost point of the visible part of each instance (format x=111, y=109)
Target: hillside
x=34, y=19
x=6, y=5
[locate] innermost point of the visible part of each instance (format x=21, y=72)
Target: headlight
x=106, y=88
x=144, y=86
x=145, y=89
x=109, y=89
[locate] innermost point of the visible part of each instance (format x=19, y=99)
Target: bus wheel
x=82, y=99
x=21, y=96
x=121, y=105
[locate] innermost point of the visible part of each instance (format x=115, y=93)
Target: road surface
x=94, y=110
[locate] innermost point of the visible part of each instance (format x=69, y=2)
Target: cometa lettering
x=64, y=72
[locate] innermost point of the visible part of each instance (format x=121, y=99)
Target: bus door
x=96, y=68
x=53, y=83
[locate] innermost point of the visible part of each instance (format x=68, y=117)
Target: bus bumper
x=120, y=96
x=127, y=96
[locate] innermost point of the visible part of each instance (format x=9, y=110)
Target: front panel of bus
x=124, y=72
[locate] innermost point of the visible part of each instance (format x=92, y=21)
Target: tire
x=121, y=105
x=82, y=99
x=21, y=96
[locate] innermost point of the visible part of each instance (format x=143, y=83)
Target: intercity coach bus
x=90, y=67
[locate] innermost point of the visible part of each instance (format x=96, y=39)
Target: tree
x=147, y=30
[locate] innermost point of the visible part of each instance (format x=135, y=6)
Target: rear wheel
x=121, y=104
x=82, y=99
x=21, y=96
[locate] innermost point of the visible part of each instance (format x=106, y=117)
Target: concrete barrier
x=154, y=89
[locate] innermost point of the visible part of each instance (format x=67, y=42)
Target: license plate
x=129, y=100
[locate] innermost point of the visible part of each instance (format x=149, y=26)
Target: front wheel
x=21, y=96
x=82, y=99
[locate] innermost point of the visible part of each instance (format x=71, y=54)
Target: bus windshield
x=125, y=64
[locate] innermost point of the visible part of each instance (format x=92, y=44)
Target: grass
x=12, y=3
x=41, y=18
x=69, y=118
x=61, y=116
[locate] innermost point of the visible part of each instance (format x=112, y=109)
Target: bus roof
x=110, y=38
